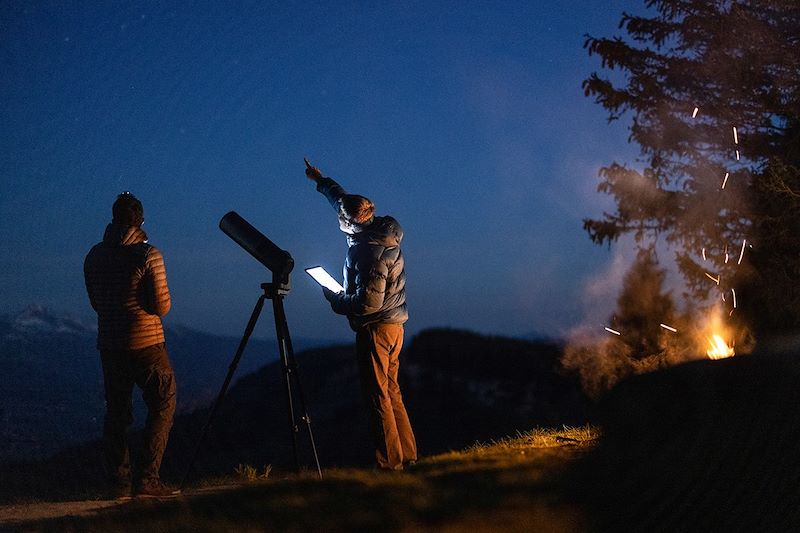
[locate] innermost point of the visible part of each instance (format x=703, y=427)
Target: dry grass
x=510, y=485
x=539, y=438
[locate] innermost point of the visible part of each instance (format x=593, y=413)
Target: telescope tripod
x=275, y=292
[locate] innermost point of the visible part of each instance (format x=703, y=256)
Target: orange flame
x=718, y=348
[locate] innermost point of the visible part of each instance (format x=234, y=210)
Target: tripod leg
x=301, y=397
x=281, y=330
x=290, y=370
x=251, y=324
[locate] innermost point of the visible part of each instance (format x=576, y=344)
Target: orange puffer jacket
x=127, y=286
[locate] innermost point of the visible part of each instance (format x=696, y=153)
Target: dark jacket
x=127, y=286
x=374, y=277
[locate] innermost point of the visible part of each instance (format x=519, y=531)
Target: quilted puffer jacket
x=374, y=274
x=127, y=285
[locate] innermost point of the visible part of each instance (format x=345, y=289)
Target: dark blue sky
x=464, y=120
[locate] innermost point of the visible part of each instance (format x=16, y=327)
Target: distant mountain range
x=459, y=388
x=51, y=383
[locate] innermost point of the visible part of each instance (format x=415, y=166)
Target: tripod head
x=271, y=290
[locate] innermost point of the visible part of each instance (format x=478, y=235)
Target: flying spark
x=741, y=254
x=694, y=113
x=737, y=155
x=735, y=136
x=733, y=291
x=704, y=254
x=712, y=278
x=615, y=332
x=725, y=180
x=670, y=328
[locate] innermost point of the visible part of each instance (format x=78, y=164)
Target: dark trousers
x=378, y=351
x=150, y=369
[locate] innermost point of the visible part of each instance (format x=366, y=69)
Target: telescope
x=280, y=263
x=266, y=252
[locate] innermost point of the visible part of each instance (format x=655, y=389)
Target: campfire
x=715, y=335
x=718, y=348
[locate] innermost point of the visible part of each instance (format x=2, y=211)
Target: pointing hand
x=312, y=172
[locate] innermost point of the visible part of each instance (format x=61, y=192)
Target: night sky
x=465, y=121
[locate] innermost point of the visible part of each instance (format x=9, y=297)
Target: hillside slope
x=459, y=388
x=705, y=446
x=510, y=485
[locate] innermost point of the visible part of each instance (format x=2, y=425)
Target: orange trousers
x=378, y=351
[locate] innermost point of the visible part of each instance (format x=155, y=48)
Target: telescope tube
x=278, y=261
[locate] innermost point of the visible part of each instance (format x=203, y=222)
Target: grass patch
x=510, y=484
x=249, y=473
x=539, y=438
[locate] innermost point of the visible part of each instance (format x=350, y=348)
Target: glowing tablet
x=323, y=278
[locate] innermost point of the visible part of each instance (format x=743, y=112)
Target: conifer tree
x=642, y=306
x=713, y=92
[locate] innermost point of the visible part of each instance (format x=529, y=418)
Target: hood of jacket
x=123, y=235
x=384, y=231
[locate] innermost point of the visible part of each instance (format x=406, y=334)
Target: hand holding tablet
x=322, y=277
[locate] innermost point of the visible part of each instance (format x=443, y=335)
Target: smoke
x=646, y=332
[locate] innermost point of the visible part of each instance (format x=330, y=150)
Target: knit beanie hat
x=357, y=209
x=127, y=210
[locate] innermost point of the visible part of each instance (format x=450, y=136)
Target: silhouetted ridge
x=473, y=355
x=459, y=387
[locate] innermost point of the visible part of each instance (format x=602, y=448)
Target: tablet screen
x=323, y=278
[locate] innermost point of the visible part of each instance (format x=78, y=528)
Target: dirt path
x=19, y=514
x=15, y=515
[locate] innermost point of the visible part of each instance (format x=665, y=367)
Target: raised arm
x=327, y=186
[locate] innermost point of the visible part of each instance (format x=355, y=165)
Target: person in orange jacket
x=127, y=286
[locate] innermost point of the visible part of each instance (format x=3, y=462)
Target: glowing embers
x=718, y=348
x=713, y=334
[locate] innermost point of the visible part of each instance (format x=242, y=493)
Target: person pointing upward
x=374, y=301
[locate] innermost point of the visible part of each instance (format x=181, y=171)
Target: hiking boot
x=153, y=488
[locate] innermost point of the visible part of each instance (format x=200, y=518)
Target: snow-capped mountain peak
x=39, y=319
